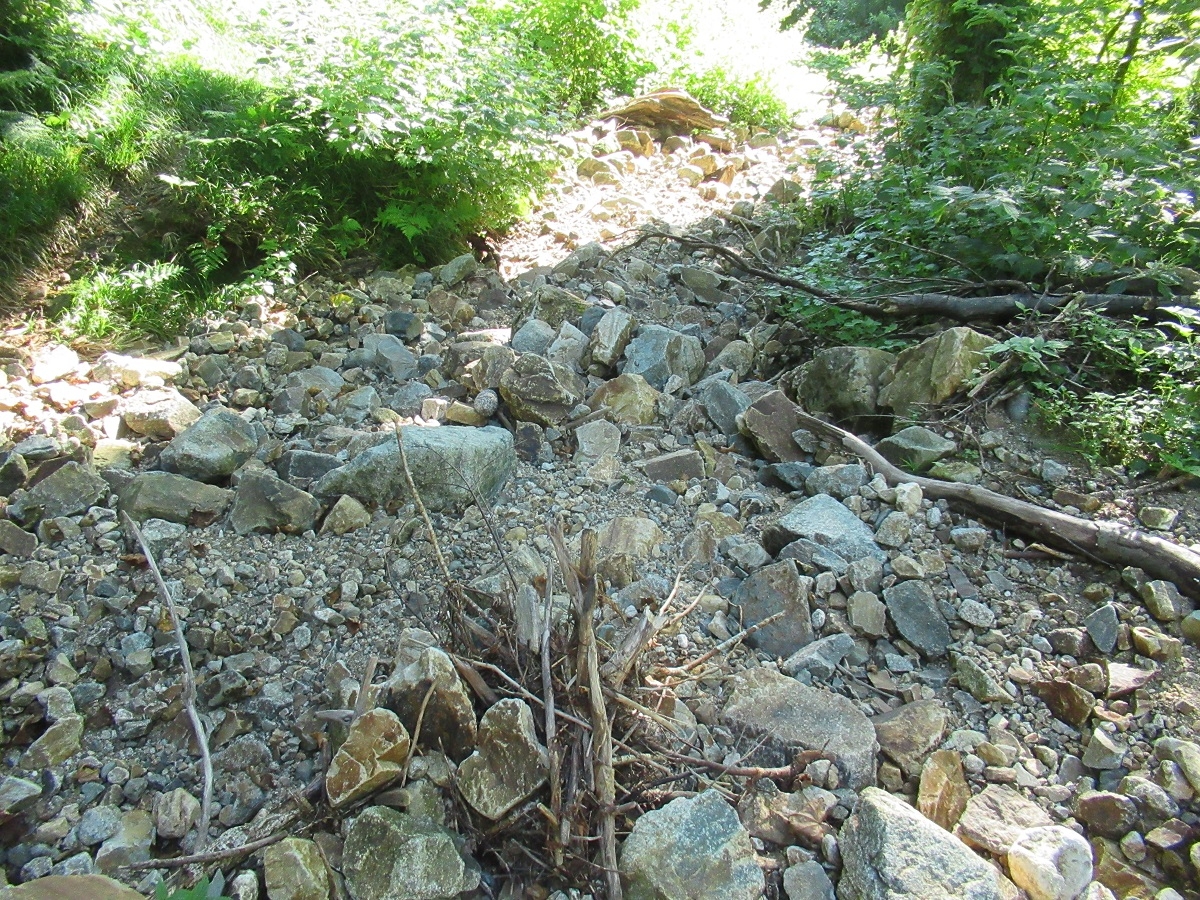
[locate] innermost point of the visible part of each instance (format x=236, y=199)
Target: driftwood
x=189, y=686
x=1110, y=542
x=998, y=308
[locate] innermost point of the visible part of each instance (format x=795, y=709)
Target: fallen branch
x=189, y=686
x=582, y=581
x=998, y=308
x=1110, y=542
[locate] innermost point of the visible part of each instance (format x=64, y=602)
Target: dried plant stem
x=189, y=685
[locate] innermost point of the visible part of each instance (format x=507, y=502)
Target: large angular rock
x=891, y=852
x=509, y=763
x=915, y=448
x=390, y=356
x=161, y=495
x=538, y=390
x=391, y=855
x=842, y=381
x=933, y=370
x=624, y=543
x=266, y=503
x=777, y=588
x=827, y=522
x=657, y=353
x=553, y=305
x=611, y=336
x=158, y=414
x=908, y=734
x=943, y=792
x=449, y=720
x=212, y=449
x=723, y=403
x=629, y=399
x=133, y=371
x=16, y=794
x=441, y=461
x=1051, y=863
x=130, y=844
x=293, y=869
x=693, y=847
x=916, y=616
x=770, y=421
x=996, y=817
x=66, y=491
x=56, y=744
x=372, y=755
x=792, y=717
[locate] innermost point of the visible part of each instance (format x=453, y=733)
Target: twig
x=725, y=645
x=360, y=704
x=416, y=735
x=412, y=489
x=189, y=685
x=179, y=862
x=552, y=747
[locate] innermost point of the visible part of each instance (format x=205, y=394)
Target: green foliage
x=747, y=101
x=580, y=51
x=153, y=299
x=201, y=890
x=835, y=23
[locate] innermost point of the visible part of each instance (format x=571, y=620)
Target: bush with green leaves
x=836, y=23
x=745, y=101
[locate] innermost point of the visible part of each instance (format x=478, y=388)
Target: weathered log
x=1109, y=542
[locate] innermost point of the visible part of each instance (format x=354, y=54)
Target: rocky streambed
x=931, y=708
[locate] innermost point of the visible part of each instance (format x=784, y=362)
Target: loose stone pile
x=978, y=719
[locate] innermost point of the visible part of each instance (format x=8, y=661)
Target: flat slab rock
x=794, y=717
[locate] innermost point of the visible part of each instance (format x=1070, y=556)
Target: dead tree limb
x=189, y=686
x=1110, y=542
x=998, y=308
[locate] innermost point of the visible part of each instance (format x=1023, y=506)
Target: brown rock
x=71, y=887
x=1124, y=680
x=1069, y=702
x=1112, y=871
x=996, y=817
x=372, y=755
x=769, y=422
x=1107, y=813
x=943, y=793
x=907, y=734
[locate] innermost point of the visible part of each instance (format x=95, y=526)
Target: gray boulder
x=211, y=449
x=775, y=588
x=449, y=720
x=508, y=764
x=611, y=336
x=158, y=414
x=827, y=522
x=723, y=404
x=442, y=462
x=459, y=269
x=66, y=491
x=916, y=616
x=162, y=495
x=532, y=337
x=390, y=356
x=538, y=390
x=792, y=717
x=265, y=503
x=390, y=855
x=915, y=448
x=892, y=852
x=694, y=847
x=842, y=381
x=657, y=353
x=934, y=370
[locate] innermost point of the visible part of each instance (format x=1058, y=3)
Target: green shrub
x=747, y=101
x=835, y=23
